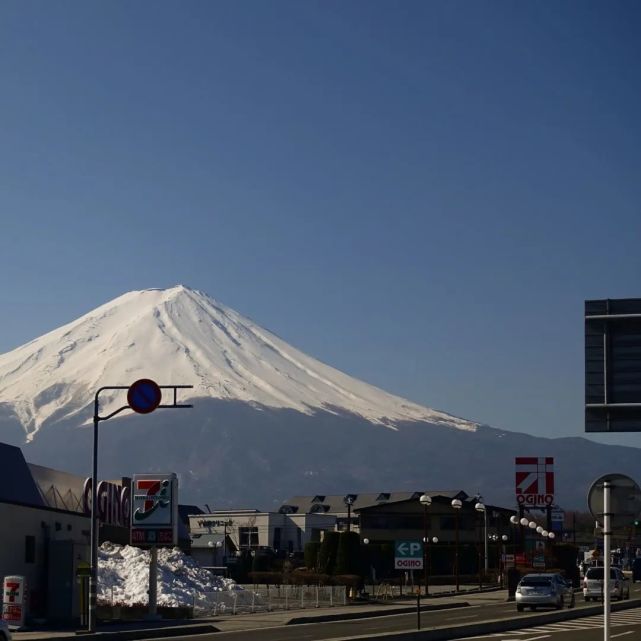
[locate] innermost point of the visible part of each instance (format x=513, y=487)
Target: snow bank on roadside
x=123, y=576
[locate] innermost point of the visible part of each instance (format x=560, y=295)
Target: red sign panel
x=534, y=481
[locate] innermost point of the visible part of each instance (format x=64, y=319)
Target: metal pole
x=93, y=542
x=418, y=609
x=153, y=583
x=606, y=560
x=479, y=555
x=456, y=553
x=349, y=516
x=427, y=588
x=486, y=545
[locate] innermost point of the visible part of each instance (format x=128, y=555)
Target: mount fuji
x=268, y=420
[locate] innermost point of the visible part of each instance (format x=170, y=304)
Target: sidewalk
x=445, y=599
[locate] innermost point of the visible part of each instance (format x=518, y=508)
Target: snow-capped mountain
x=182, y=336
x=268, y=421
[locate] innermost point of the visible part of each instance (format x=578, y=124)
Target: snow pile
x=123, y=577
x=183, y=336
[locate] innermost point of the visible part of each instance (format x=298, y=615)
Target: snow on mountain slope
x=182, y=336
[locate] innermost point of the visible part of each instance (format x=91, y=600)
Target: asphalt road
x=625, y=626
x=443, y=618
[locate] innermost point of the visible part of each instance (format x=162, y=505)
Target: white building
x=225, y=532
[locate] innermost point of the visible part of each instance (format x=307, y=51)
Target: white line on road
x=467, y=616
x=622, y=634
x=544, y=636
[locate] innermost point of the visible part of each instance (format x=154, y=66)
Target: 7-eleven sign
x=534, y=481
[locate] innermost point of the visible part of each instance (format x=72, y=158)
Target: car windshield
x=597, y=573
x=536, y=581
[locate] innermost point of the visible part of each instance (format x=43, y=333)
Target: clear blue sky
x=421, y=194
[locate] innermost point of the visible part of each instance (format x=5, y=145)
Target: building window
x=30, y=549
x=248, y=537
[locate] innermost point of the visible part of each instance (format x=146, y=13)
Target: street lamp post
x=349, y=501
x=456, y=504
x=480, y=508
x=504, y=539
x=434, y=541
x=425, y=501
x=523, y=523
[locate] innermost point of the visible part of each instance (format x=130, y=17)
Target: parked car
x=636, y=569
x=593, y=584
x=547, y=589
x=5, y=634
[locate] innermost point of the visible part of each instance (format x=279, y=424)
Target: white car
x=5, y=634
x=593, y=584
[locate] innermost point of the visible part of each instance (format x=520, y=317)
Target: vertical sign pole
x=93, y=579
x=606, y=560
x=418, y=609
x=153, y=583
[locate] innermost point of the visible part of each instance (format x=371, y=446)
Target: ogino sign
x=408, y=555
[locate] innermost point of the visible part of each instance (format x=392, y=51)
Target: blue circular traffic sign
x=144, y=396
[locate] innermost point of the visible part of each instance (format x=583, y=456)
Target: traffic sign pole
x=607, y=535
x=141, y=396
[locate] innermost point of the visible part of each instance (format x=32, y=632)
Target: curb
x=347, y=616
x=130, y=635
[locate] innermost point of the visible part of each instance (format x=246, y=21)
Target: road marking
x=614, y=636
x=543, y=636
x=468, y=616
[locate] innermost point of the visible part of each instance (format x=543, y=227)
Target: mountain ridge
x=180, y=335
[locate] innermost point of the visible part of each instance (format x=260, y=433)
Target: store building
x=224, y=533
x=46, y=529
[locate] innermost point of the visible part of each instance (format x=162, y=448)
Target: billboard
x=613, y=365
x=534, y=481
x=154, y=510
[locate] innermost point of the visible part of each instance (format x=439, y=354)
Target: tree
x=311, y=554
x=327, y=553
x=348, y=556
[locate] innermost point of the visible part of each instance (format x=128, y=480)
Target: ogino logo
x=152, y=498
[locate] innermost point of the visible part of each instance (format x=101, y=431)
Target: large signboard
x=613, y=365
x=408, y=555
x=154, y=510
x=534, y=481
x=113, y=502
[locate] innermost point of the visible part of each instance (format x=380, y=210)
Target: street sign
x=534, y=481
x=144, y=396
x=612, y=365
x=154, y=510
x=557, y=517
x=408, y=555
x=625, y=500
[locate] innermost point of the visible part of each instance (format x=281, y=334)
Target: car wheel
x=519, y=607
